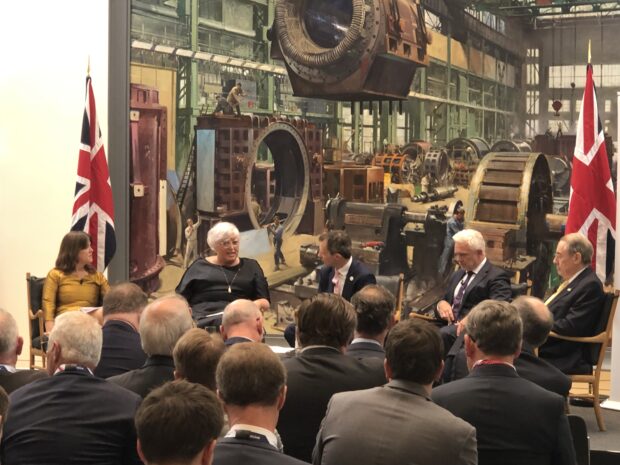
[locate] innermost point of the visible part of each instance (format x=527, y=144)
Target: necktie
x=458, y=299
x=336, y=282
x=556, y=293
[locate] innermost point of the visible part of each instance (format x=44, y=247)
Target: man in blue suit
x=342, y=274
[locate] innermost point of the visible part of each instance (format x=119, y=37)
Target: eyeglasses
x=229, y=242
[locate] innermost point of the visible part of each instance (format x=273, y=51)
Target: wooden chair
x=36, y=319
x=394, y=284
x=598, y=346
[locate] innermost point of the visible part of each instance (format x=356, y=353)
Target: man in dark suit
x=242, y=321
x=4, y=408
x=11, y=345
x=165, y=436
x=320, y=369
x=413, y=361
x=71, y=416
x=475, y=281
x=122, y=350
x=196, y=356
x=516, y=421
x=162, y=324
x=340, y=274
x=374, y=306
x=537, y=322
x=576, y=305
x=251, y=382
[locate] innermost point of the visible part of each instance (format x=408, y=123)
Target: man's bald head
x=537, y=319
x=163, y=322
x=242, y=318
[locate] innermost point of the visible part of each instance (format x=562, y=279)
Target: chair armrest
x=423, y=317
x=598, y=339
x=34, y=316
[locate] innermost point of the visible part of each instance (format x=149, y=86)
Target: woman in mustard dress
x=73, y=283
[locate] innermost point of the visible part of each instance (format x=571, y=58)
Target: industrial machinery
x=464, y=155
x=405, y=165
x=511, y=146
x=275, y=159
x=147, y=180
x=356, y=50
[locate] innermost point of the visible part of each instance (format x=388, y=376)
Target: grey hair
x=577, y=242
x=163, y=322
x=220, y=232
x=495, y=327
x=80, y=338
x=472, y=238
x=239, y=311
x=8, y=332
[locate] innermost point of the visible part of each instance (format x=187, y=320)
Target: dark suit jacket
x=12, y=381
x=313, y=376
x=357, y=277
x=528, y=366
x=490, y=283
x=71, y=417
x=121, y=350
x=365, y=349
x=157, y=370
x=516, y=421
x=540, y=372
x=231, y=341
x=576, y=311
x=233, y=451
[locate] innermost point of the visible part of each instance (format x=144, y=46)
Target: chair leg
x=598, y=412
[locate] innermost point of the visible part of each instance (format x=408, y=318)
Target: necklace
x=226, y=278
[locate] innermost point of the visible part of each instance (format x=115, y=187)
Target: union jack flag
x=592, y=205
x=93, y=205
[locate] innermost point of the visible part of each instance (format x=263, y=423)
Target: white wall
x=45, y=51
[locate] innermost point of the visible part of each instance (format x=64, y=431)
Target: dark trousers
x=278, y=256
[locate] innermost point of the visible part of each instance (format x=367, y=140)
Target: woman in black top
x=212, y=283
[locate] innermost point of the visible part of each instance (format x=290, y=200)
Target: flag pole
x=88, y=67
x=589, y=51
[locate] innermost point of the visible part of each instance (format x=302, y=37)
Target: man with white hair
x=71, y=416
x=475, y=281
x=162, y=324
x=242, y=322
x=11, y=344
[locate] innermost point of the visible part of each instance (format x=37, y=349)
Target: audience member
x=413, y=361
x=242, y=322
x=178, y=424
x=576, y=305
x=72, y=416
x=251, y=382
x=162, y=324
x=325, y=327
x=516, y=421
x=374, y=306
x=196, y=356
x=537, y=322
x=121, y=350
x=4, y=408
x=11, y=345
x=475, y=281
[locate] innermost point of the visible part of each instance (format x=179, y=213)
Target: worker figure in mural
x=234, y=97
x=454, y=225
x=191, y=248
x=277, y=230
